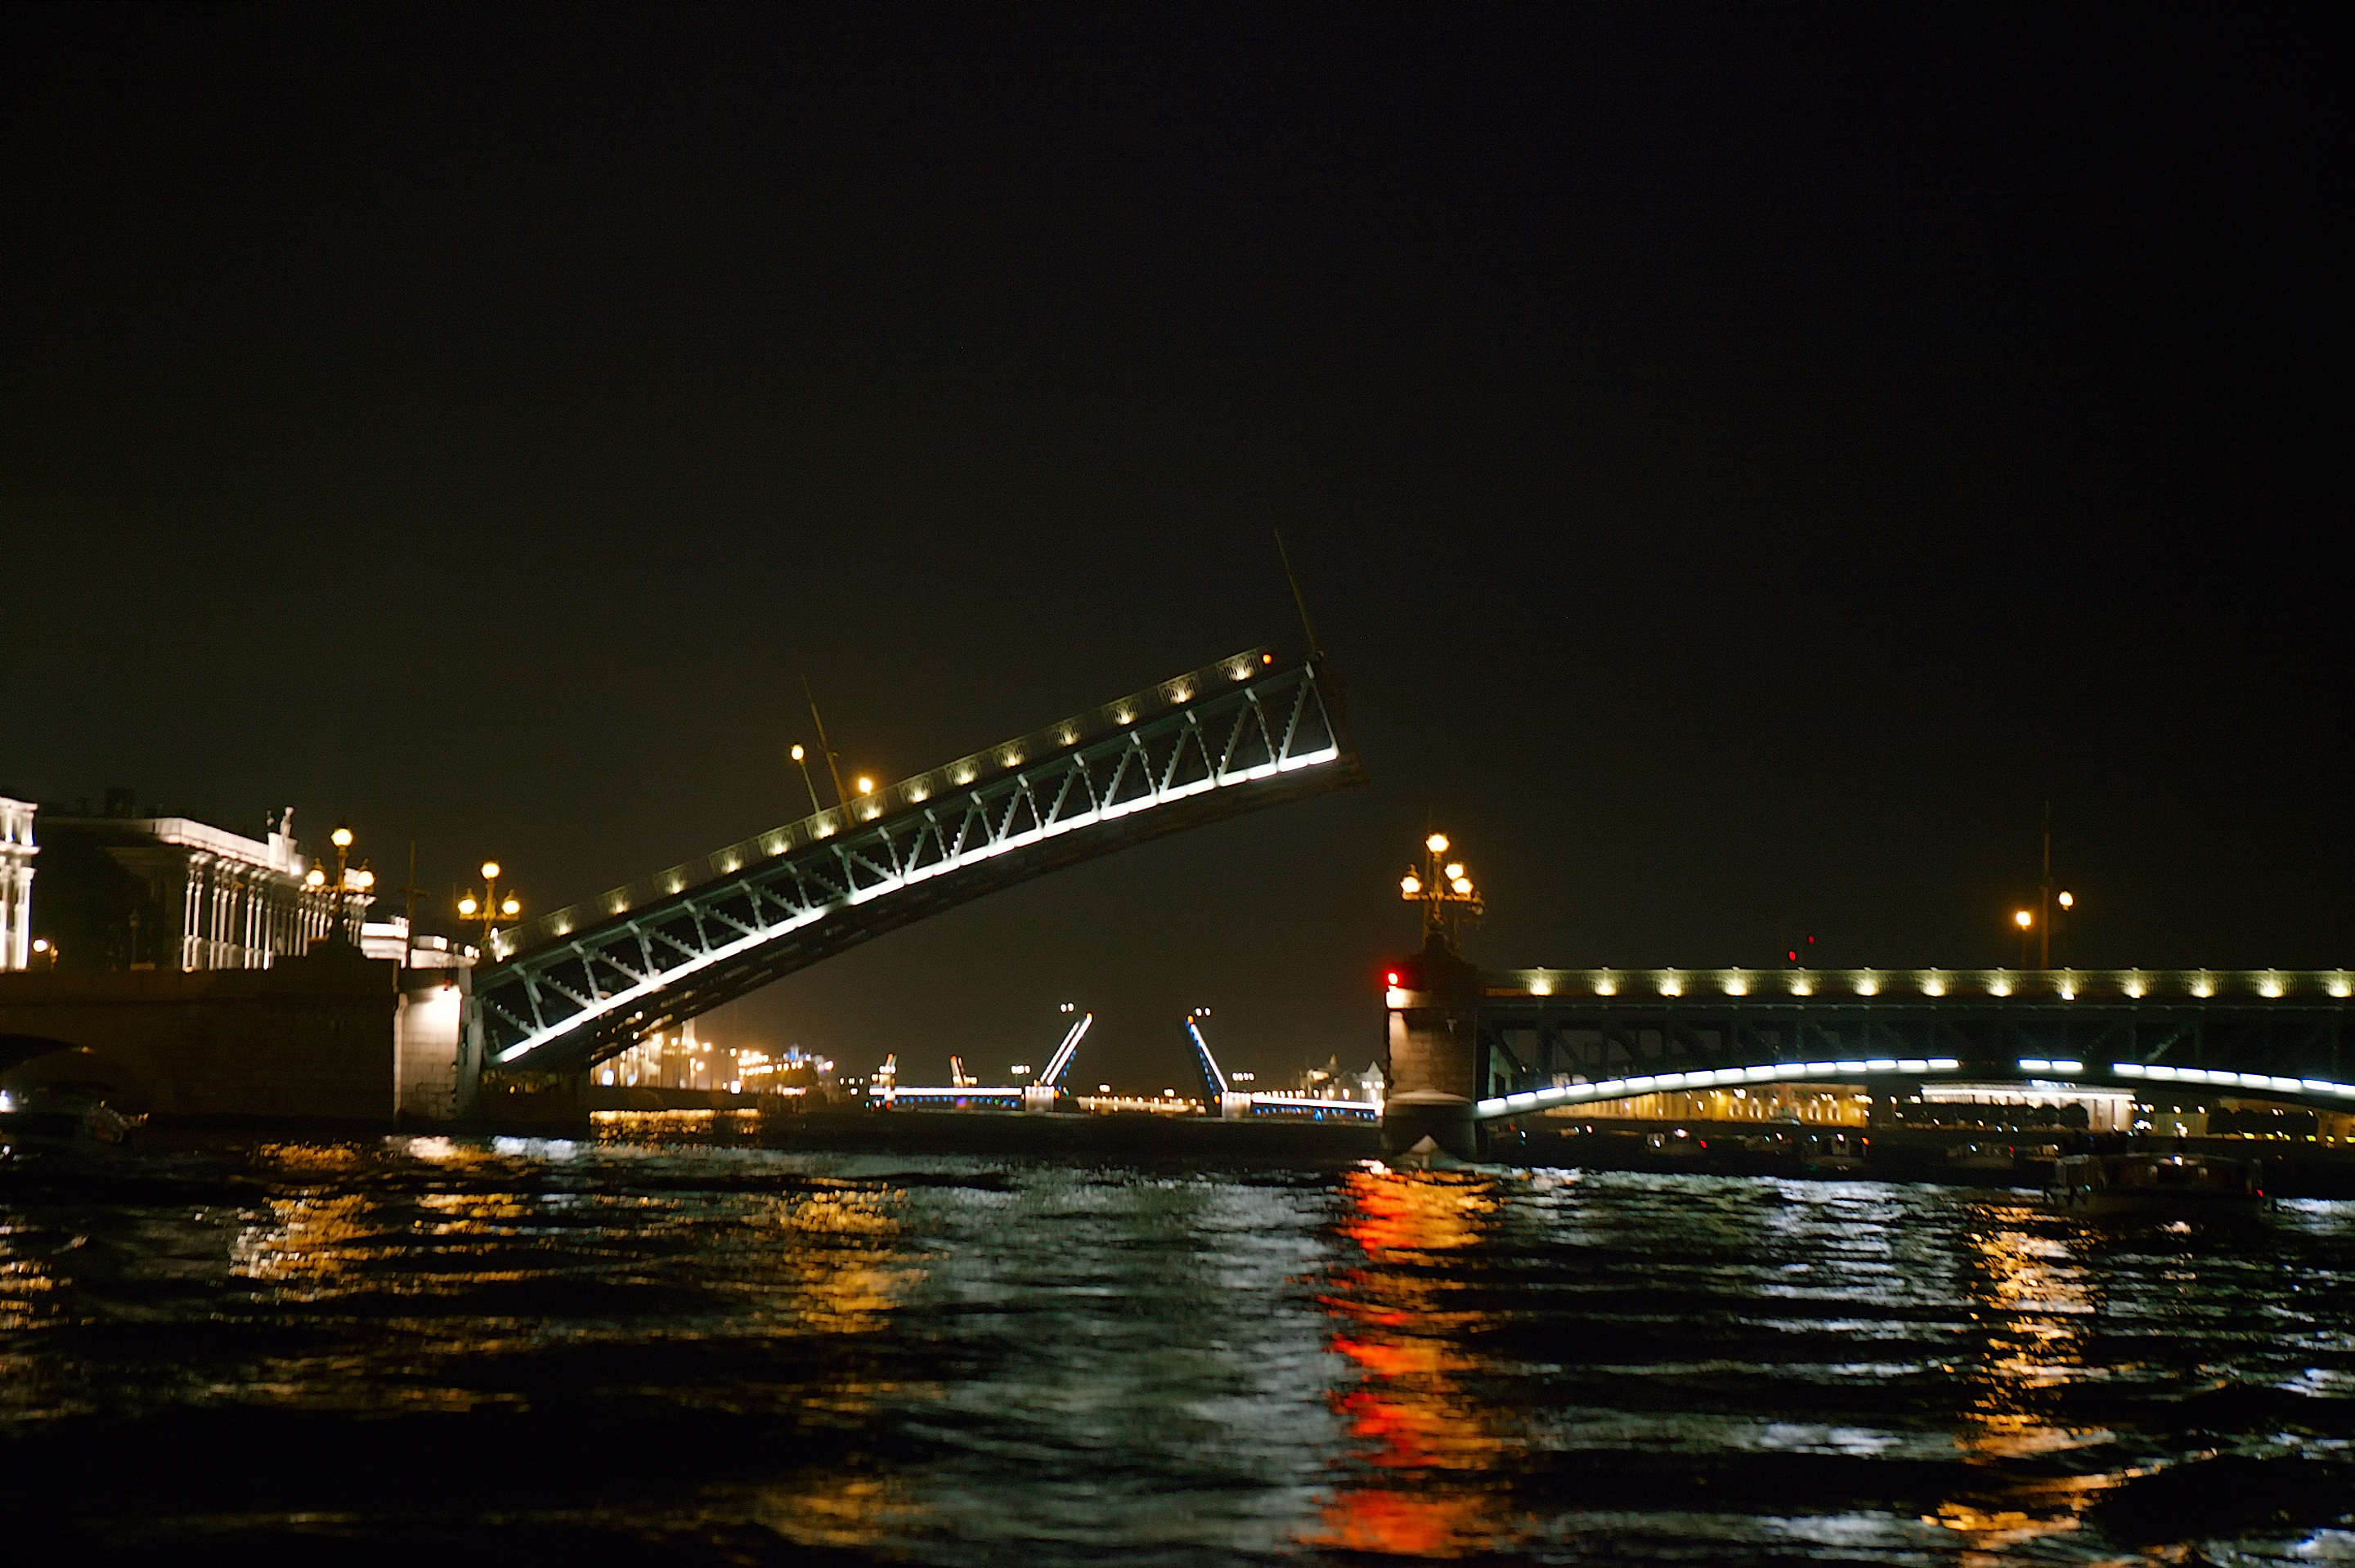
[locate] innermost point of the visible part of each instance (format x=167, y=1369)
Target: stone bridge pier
x=1434, y=1064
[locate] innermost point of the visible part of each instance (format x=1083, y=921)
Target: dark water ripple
x=669, y=1351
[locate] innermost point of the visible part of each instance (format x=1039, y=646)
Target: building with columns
x=16, y=852
x=141, y=892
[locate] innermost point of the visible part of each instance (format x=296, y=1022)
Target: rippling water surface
x=665, y=1350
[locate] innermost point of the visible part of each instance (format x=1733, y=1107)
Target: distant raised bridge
x=572, y=987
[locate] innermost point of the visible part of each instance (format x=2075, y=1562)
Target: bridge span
x=1472, y=1047
x=577, y=985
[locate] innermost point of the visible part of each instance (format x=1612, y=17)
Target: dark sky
x=1745, y=460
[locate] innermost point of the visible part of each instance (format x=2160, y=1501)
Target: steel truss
x=578, y=985
x=2301, y=1050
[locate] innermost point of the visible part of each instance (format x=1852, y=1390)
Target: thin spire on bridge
x=826, y=747
x=1298, y=598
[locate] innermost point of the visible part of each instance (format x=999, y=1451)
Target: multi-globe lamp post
x=348, y=879
x=490, y=909
x=1444, y=890
x=2026, y=922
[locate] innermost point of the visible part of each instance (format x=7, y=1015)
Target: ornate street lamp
x=490, y=909
x=1444, y=890
x=349, y=880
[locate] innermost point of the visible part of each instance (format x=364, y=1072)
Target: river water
x=655, y=1347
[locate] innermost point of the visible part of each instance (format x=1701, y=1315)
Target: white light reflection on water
x=966, y=1360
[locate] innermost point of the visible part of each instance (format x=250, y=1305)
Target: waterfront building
x=131, y=891
x=16, y=852
x=1334, y=1082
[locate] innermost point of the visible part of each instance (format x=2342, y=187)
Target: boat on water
x=53, y=1114
x=2153, y=1186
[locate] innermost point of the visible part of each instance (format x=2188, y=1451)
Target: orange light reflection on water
x=1431, y=1451
x=2036, y=1297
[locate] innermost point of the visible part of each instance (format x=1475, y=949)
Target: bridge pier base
x=1445, y=1119
x=1435, y=1067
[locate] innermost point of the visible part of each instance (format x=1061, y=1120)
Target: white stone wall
x=229, y=902
x=425, y=1034
x=16, y=852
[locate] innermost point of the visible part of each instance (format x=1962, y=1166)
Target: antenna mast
x=1315, y=650
x=833, y=766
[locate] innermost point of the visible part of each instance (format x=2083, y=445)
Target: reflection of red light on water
x=1374, y=1520
x=1381, y=1317
x=1387, y=1221
x=1381, y=1360
x=1398, y=1429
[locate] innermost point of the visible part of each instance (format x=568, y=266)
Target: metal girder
x=2301, y=1049
x=584, y=983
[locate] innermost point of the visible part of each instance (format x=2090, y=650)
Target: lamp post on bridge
x=1434, y=1064
x=1443, y=889
x=801, y=761
x=2051, y=906
x=489, y=908
x=349, y=880
x=2056, y=905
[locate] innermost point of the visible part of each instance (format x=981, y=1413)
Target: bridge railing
x=1798, y=985
x=890, y=799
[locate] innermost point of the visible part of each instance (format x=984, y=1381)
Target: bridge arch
x=2317, y=1094
x=129, y=1081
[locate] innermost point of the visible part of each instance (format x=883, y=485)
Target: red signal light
x=1391, y=978
x=1267, y=658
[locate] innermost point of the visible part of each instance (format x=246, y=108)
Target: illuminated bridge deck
x=584, y=983
x=1558, y=1038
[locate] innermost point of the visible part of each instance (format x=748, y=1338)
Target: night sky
x=1745, y=462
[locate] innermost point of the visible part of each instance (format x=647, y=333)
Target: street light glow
x=315, y=877
x=467, y=905
x=341, y=837
x=1436, y=843
x=1410, y=885
x=2022, y=919
x=798, y=752
x=1455, y=869
x=490, y=871
x=1463, y=884
x=866, y=784
x=510, y=906
x=2068, y=901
